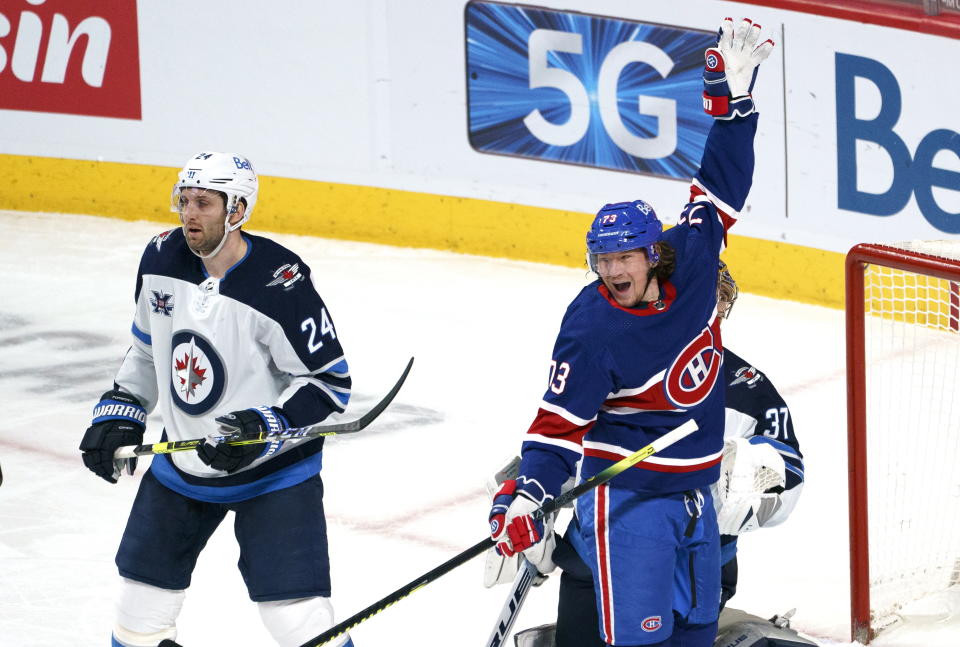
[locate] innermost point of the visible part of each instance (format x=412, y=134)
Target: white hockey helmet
x=230, y=174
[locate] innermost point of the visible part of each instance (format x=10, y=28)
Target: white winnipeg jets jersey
x=204, y=347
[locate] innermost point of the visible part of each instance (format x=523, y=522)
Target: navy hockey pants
x=282, y=537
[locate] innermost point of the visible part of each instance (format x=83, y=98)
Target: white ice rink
x=404, y=495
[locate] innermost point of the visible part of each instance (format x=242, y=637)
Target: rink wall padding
x=394, y=217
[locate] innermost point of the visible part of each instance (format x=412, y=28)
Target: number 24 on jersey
x=309, y=325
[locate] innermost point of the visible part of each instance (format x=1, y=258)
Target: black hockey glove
x=118, y=419
x=216, y=453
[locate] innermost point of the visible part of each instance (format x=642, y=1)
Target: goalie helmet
x=727, y=291
x=621, y=227
x=229, y=174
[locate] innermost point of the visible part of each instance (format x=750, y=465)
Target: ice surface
x=404, y=495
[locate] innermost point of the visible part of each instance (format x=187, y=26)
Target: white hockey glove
x=498, y=568
x=515, y=531
x=748, y=492
x=731, y=69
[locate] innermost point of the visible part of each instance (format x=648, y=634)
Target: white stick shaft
x=511, y=608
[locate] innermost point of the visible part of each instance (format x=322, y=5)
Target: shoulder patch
x=159, y=239
x=747, y=375
x=286, y=275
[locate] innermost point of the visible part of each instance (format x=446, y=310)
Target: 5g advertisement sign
x=589, y=90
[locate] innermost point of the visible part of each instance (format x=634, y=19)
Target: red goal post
x=903, y=372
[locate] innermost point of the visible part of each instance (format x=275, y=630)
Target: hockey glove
x=215, y=451
x=118, y=419
x=513, y=528
x=752, y=476
x=731, y=70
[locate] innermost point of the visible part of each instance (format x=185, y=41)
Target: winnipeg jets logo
x=749, y=375
x=162, y=302
x=190, y=374
x=694, y=372
x=197, y=374
x=286, y=275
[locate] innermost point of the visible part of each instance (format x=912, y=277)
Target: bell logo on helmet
x=242, y=163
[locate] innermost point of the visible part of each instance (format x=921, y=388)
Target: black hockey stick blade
x=313, y=431
x=597, y=479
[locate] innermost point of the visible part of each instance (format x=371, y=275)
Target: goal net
x=903, y=389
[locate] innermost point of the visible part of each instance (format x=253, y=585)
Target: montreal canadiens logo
x=652, y=623
x=197, y=374
x=694, y=373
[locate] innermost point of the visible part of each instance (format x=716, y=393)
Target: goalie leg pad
x=293, y=622
x=541, y=636
x=741, y=629
x=146, y=614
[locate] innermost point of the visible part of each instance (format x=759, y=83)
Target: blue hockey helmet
x=622, y=226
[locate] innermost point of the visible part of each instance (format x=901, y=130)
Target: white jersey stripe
x=556, y=442
x=658, y=460
x=623, y=393
x=723, y=206
x=566, y=415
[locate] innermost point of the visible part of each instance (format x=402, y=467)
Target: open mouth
x=621, y=287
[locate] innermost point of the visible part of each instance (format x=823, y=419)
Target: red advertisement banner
x=62, y=56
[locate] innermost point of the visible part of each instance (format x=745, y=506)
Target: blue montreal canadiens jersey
x=204, y=347
x=622, y=377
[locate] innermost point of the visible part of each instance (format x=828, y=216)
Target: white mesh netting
x=912, y=330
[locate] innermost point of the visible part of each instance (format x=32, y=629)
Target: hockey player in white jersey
x=229, y=335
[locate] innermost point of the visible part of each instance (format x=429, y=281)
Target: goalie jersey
x=755, y=410
x=204, y=347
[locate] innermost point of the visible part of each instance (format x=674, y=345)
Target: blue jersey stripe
x=283, y=478
x=139, y=334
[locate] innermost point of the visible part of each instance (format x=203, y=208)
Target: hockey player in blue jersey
x=229, y=335
x=762, y=476
x=638, y=354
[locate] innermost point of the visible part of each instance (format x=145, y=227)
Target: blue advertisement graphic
x=587, y=90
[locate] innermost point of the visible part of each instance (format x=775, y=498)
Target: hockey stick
x=314, y=431
x=599, y=478
x=511, y=608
